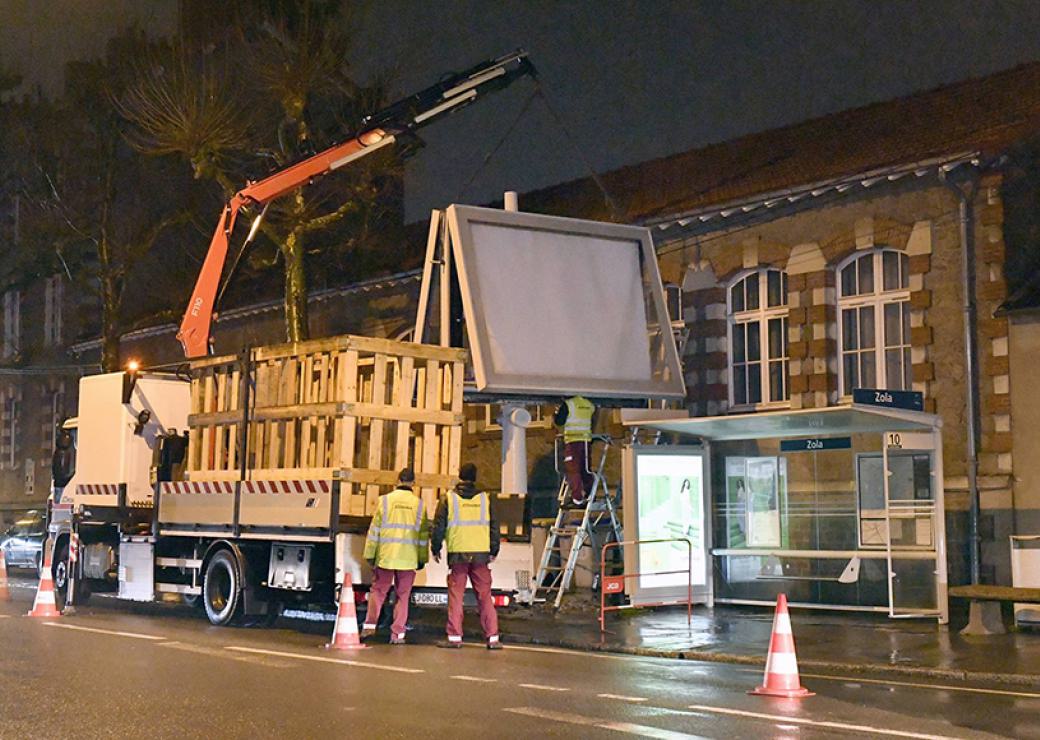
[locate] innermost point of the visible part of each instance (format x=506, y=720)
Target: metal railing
x=615, y=584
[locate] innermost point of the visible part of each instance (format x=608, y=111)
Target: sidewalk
x=826, y=641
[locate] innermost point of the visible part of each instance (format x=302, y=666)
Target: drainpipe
x=965, y=197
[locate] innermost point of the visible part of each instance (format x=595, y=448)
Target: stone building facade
x=38, y=386
x=828, y=255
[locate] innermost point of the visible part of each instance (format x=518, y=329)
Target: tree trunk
x=110, y=334
x=296, y=323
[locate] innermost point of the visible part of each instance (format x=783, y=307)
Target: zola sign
x=911, y=400
x=815, y=444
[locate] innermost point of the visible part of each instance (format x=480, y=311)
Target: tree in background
x=95, y=209
x=278, y=91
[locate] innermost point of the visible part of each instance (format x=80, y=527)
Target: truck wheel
x=222, y=588
x=60, y=572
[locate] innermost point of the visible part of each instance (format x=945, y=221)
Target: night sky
x=638, y=80
x=630, y=80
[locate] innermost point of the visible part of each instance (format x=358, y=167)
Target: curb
x=823, y=666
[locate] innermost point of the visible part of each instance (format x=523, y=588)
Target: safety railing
x=615, y=584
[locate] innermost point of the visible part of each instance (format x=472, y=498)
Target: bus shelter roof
x=823, y=422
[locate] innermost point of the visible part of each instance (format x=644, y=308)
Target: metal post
x=245, y=358
x=965, y=197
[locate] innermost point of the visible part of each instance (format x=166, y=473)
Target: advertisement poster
x=670, y=504
x=754, y=489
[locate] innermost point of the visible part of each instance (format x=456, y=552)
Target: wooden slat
x=403, y=400
x=375, y=434
x=234, y=404
x=455, y=432
x=431, y=446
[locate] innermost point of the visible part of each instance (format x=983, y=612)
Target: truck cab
x=102, y=483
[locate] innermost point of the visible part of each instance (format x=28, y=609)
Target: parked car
x=22, y=543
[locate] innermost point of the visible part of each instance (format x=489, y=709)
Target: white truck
x=248, y=484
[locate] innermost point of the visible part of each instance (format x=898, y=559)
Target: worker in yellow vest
x=397, y=545
x=466, y=521
x=574, y=415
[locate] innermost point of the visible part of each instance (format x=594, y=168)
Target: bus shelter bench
x=984, y=617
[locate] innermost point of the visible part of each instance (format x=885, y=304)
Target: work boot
x=493, y=643
x=367, y=632
x=451, y=644
x=397, y=639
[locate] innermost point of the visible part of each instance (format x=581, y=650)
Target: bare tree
x=272, y=94
x=93, y=203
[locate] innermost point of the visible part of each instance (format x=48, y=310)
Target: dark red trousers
x=575, y=468
x=479, y=574
x=382, y=579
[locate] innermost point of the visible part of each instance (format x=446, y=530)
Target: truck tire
x=222, y=588
x=60, y=571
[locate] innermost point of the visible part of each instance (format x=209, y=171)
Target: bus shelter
x=839, y=508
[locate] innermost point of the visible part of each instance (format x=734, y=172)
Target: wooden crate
x=350, y=408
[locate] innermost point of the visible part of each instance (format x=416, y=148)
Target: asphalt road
x=117, y=670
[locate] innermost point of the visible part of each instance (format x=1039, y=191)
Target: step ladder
x=576, y=526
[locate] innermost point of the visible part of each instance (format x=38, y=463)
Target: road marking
x=621, y=697
x=320, y=659
x=785, y=720
x=136, y=635
x=539, y=687
x=562, y=651
x=937, y=686
x=577, y=719
x=478, y=679
x=217, y=652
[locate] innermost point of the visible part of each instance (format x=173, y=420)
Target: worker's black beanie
x=468, y=472
x=407, y=475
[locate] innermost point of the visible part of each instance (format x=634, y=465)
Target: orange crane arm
x=377, y=131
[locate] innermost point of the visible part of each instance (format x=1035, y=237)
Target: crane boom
x=379, y=130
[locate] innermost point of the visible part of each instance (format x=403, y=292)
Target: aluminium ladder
x=576, y=524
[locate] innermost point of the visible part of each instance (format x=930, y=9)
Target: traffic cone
x=781, y=677
x=44, y=604
x=345, y=634
x=5, y=595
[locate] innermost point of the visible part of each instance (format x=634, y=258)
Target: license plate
x=430, y=599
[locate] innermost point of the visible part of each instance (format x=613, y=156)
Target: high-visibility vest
x=578, y=427
x=469, y=523
x=398, y=538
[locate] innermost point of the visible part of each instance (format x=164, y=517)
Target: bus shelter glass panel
x=786, y=519
x=910, y=508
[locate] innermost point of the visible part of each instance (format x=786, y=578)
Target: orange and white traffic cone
x=44, y=604
x=5, y=594
x=781, y=677
x=345, y=634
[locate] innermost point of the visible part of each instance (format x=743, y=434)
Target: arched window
x=874, y=321
x=758, y=338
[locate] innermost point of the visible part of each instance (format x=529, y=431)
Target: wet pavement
x=830, y=641
x=117, y=669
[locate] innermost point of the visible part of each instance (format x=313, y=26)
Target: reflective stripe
x=398, y=540
x=465, y=533
x=456, y=512
x=406, y=527
x=578, y=427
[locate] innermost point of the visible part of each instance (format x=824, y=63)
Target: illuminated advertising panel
x=666, y=492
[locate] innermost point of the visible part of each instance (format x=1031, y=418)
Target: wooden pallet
x=347, y=408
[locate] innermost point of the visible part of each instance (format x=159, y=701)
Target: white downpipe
x=514, y=420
